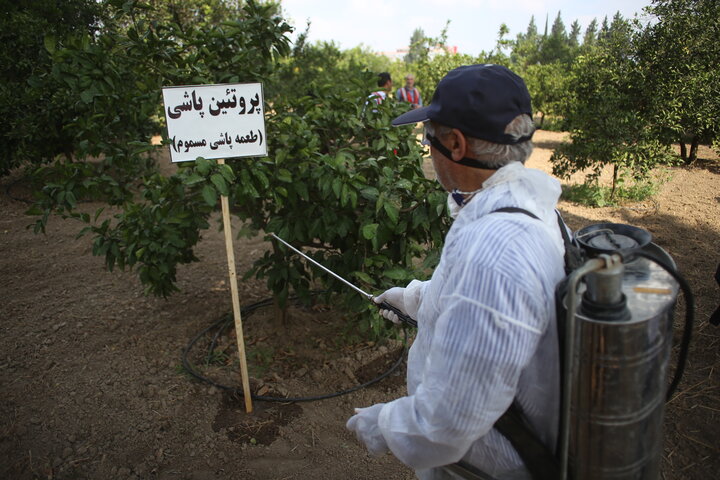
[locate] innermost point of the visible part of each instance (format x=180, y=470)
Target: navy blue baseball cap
x=479, y=100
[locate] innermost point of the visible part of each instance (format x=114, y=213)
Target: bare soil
x=92, y=384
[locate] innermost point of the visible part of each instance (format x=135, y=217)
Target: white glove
x=365, y=425
x=395, y=297
x=407, y=300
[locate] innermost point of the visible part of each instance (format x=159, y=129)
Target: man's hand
x=407, y=300
x=365, y=425
x=395, y=297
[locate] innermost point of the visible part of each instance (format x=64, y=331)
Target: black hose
x=245, y=312
x=689, y=312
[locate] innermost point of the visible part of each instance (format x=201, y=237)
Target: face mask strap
x=461, y=198
x=468, y=162
x=458, y=197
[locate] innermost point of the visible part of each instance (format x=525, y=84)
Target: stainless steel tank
x=618, y=372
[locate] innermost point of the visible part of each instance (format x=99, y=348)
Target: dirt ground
x=92, y=384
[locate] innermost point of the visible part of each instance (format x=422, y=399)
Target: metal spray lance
x=382, y=306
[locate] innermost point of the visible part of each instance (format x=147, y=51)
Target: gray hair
x=496, y=155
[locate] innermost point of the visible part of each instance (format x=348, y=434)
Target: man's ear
x=458, y=145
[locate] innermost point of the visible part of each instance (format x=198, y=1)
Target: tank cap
x=610, y=237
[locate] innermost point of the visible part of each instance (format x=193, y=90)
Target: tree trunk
x=542, y=119
x=280, y=311
x=614, y=182
x=683, y=151
x=693, y=149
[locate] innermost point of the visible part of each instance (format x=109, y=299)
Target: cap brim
x=413, y=116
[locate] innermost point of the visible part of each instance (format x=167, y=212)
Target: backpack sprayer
x=615, y=319
x=616, y=310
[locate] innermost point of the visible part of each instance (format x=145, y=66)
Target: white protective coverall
x=486, y=334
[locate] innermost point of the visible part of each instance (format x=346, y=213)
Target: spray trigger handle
x=401, y=315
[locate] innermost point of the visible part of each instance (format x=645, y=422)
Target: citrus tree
x=114, y=81
x=548, y=87
x=31, y=115
x=607, y=114
x=338, y=180
x=341, y=182
x=680, y=54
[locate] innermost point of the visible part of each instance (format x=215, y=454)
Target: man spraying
x=486, y=320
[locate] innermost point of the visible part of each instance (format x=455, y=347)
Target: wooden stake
x=235, y=298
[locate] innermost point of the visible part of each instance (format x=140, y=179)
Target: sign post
x=219, y=121
x=235, y=299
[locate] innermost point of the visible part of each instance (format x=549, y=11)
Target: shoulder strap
x=574, y=257
x=538, y=458
x=516, y=210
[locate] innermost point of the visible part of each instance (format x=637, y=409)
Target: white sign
x=215, y=121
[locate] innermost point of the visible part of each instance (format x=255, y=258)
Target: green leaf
x=364, y=277
x=202, y=166
x=194, y=179
x=369, y=230
x=336, y=186
x=392, y=212
x=50, y=43
x=380, y=202
x=284, y=175
x=86, y=96
x=219, y=182
x=70, y=199
x=370, y=193
x=302, y=191
x=396, y=274
x=209, y=195
x=344, y=195
x=227, y=172
x=263, y=179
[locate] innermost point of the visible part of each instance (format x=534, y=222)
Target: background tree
x=31, y=117
x=680, y=54
x=418, y=46
x=555, y=47
x=543, y=62
x=189, y=13
x=607, y=114
x=114, y=80
x=362, y=57
x=590, y=36
x=604, y=32
x=430, y=70
x=548, y=87
x=526, y=49
x=574, y=36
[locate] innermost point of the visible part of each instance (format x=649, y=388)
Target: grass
x=595, y=195
x=552, y=124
